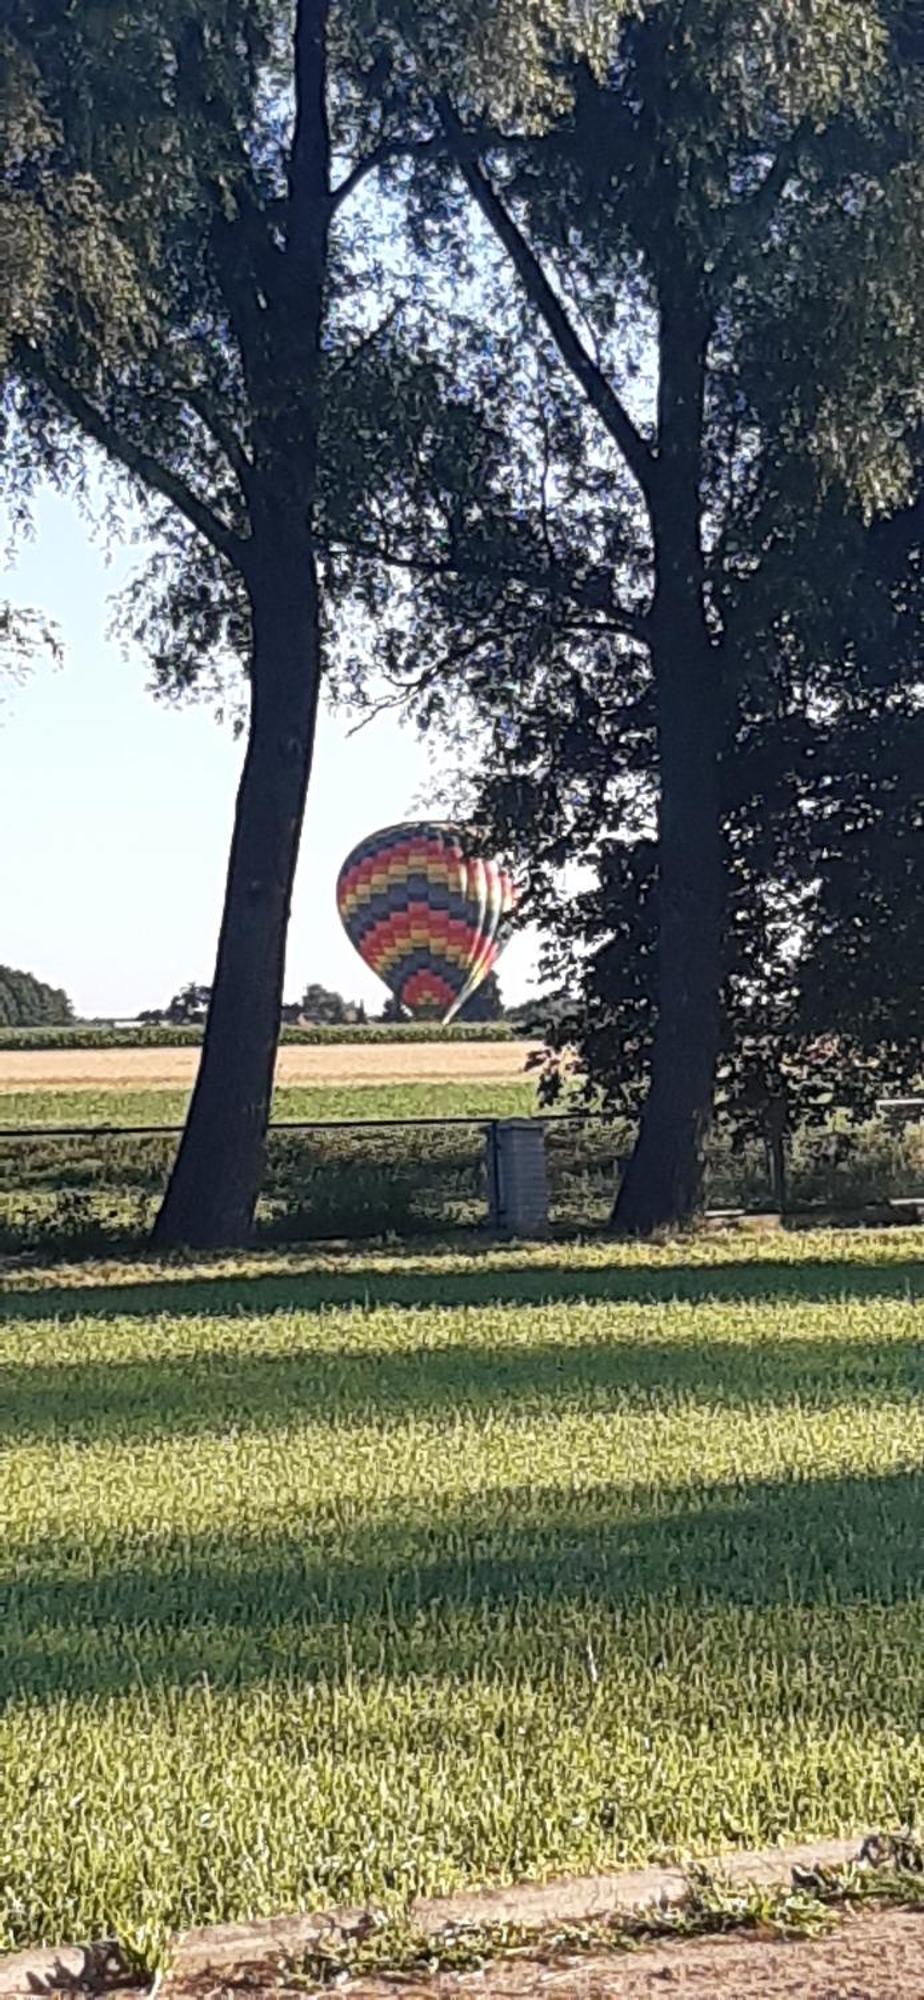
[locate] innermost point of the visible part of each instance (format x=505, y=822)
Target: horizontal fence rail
x=480, y=1118
x=95, y=1188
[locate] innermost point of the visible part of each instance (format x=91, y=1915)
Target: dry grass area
x=872, y=1957
x=342, y=1063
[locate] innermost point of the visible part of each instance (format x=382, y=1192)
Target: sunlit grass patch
x=336, y=1577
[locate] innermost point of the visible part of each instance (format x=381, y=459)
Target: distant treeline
x=26, y=1002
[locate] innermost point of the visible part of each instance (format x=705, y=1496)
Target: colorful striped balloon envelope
x=425, y=913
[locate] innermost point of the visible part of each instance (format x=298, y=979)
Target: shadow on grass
x=217, y=1389
x=508, y=1285
x=497, y=1584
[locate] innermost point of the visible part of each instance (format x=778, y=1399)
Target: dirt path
x=341, y=1063
x=879, y=1956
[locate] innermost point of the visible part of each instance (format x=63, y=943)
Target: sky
x=116, y=810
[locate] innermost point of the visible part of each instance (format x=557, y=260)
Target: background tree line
x=322, y=1006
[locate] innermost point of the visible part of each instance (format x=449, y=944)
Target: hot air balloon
x=425, y=913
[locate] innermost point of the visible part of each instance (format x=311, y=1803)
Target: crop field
x=337, y=1064
x=148, y=1035
x=327, y=1103
x=326, y=1578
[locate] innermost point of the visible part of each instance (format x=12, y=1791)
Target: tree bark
x=213, y=1189
x=275, y=299
x=662, y=1187
x=776, y=1132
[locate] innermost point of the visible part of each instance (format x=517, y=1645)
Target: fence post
x=518, y=1188
x=492, y=1174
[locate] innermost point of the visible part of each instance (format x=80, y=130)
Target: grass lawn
x=443, y=1099
x=327, y=1578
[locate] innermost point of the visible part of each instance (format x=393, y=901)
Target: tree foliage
x=823, y=809
x=485, y=1004
x=212, y=139
x=27, y=1002
x=323, y=1006
x=696, y=374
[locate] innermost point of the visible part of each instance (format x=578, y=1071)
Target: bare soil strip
x=341, y=1063
x=879, y=1956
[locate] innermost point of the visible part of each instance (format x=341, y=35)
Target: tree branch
x=388, y=149
x=368, y=340
x=637, y=453
x=223, y=435
x=752, y=216
x=140, y=464
x=592, y=594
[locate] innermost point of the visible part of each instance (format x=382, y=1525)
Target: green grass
x=292, y=1101
x=334, y=1578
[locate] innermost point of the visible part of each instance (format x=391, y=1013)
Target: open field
x=339, y=1063
x=333, y=1577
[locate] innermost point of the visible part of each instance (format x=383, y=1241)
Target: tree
x=26, y=1002
x=209, y=141
x=543, y=1015
x=189, y=1006
x=822, y=814
x=319, y=1004
x=485, y=1004
x=699, y=177
x=56, y=245
x=733, y=186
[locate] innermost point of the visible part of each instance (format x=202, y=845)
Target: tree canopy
x=697, y=373
x=27, y=1002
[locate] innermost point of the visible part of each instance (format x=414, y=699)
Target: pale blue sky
x=115, y=811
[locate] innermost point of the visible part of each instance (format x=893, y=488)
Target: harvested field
x=343, y=1063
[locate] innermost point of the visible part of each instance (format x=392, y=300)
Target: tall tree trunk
x=213, y=1189
x=663, y=1183
x=275, y=303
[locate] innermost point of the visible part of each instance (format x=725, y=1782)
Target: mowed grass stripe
x=323, y=1599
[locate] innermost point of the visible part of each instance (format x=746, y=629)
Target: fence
x=98, y=1187
x=95, y=1188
